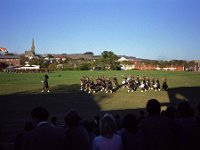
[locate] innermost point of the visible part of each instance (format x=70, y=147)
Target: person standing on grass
x=164, y=85
x=45, y=84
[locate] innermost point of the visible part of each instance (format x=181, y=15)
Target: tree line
x=107, y=61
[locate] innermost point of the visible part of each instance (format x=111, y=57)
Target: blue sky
x=152, y=29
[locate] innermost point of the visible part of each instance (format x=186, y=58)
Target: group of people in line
x=109, y=85
x=172, y=129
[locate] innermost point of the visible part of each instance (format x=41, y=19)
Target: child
x=45, y=84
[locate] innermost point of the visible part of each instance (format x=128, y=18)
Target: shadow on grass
x=15, y=108
x=190, y=94
x=61, y=98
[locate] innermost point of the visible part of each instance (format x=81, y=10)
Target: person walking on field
x=45, y=84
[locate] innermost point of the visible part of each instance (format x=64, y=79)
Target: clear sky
x=151, y=29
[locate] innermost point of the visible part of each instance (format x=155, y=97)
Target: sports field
x=19, y=93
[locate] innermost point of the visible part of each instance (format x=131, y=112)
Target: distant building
x=31, y=53
x=85, y=56
x=127, y=67
x=122, y=59
x=11, y=60
x=29, y=67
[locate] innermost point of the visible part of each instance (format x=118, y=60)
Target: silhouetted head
x=170, y=112
x=28, y=126
x=46, y=76
x=40, y=114
x=107, y=126
x=153, y=106
x=72, y=118
x=88, y=125
x=130, y=122
x=184, y=109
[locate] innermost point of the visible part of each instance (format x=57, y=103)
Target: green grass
x=68, y=82
x=19, y=93
x=13, y=83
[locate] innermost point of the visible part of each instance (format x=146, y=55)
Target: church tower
x=33, y=46
x=31, y=53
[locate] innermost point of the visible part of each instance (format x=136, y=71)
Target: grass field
x=19, y=93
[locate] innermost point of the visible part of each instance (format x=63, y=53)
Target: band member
x=45, y=84
x=131, y=84
x=124, y=81
x=164, y=85
x=115, y=82
x=157, y=85
x=152, y=83
x=148, y=83
x=143, y=85
x=92, y=86
x=137, y=81
x=82, y=83
x=109, y=87
x=87, y=83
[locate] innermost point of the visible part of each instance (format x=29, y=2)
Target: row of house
x=133, y=62
x=11, y=60
x=137, y=65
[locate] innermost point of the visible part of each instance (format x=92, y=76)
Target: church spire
x=33, y=46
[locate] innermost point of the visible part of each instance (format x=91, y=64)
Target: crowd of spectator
x=173, y=129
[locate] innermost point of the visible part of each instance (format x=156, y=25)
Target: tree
x=162, y=64
x=35, y=61
x=23, y=59
x=85, y=66
x=109, y=60
x=178, y=62
x=88, y=53
x=52, y=66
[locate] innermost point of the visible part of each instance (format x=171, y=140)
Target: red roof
x=3, y=49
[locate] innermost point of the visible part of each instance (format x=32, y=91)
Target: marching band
x=131, y=84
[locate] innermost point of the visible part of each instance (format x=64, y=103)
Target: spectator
x=97, y=125
x=187, y=127
x=108, y=140
x=170, y=113
x=159, y=131
x=132, y=138
x=76, y=134
x=28, y=126
x=118, y=122
x=44, y=136
x=141, y=115
x=89, y=126
x=54, y=121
